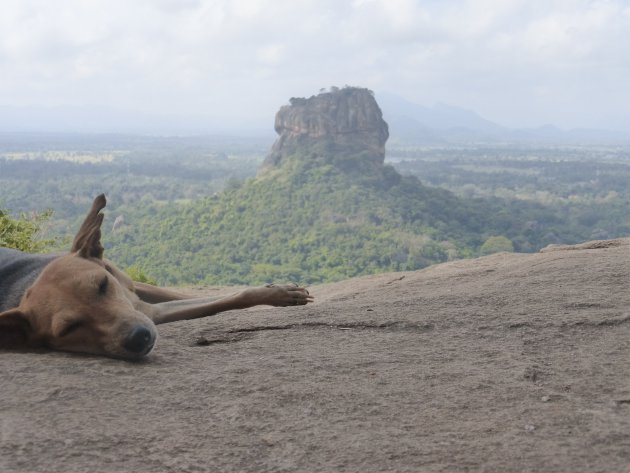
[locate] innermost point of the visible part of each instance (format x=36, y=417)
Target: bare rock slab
x=511, y=362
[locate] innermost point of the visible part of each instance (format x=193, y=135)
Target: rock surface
x=343, y=122
x=511, y=363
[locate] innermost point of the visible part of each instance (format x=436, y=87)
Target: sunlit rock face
x=343, y=127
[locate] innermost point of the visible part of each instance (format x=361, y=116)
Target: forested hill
x=325, y=208
x=309, y=223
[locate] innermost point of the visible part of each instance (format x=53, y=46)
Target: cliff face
x=343, y=126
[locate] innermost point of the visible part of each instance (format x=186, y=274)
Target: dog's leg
x=154, y=295
x=279, y=296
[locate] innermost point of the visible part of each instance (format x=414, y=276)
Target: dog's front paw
x=287, y=295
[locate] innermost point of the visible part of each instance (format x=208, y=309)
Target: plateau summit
x=338, y=125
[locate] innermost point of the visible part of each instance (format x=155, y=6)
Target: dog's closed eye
x=103, y=285
x=70, y=328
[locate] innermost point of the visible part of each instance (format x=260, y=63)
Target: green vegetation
x=22, y=233
x=192, y=212
x=65, y=172
x=496, y=244
x=312, y=222
x=587, y=188
x=137, y=274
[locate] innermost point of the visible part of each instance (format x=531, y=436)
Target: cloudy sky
x=515, y=62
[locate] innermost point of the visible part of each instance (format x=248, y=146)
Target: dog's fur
x=81, y=302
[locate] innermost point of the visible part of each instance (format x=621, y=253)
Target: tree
x=137, y=274
x=22, y=233
x=496, y=244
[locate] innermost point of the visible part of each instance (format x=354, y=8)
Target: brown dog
x=81, y=302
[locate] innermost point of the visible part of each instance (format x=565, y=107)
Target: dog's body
x=81, y=302
x=18, y=271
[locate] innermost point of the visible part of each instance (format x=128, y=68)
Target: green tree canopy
x=496, y=244
x=22, y=233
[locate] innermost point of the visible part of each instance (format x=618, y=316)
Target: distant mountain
x=442, y=124
x=438, y=117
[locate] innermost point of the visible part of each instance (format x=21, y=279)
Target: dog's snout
x=139, y=341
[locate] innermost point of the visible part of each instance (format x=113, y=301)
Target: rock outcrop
x=344, y=127
x=510, y=363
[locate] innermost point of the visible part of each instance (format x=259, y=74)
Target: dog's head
x=81, y=303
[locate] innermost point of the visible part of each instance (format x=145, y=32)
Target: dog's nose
x=140, y=340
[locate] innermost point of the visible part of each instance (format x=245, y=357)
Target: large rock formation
x=343, y=126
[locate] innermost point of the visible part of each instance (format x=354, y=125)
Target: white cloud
x=271, y=54
x=516, y=61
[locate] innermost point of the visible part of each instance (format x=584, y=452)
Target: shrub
x=22, y=233
x=496, y=244
x=135, y=273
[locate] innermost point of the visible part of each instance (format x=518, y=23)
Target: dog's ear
x=87, y=242
x=14, y=329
